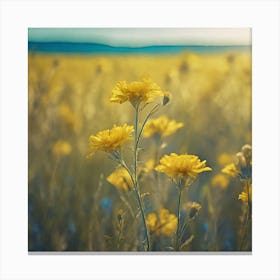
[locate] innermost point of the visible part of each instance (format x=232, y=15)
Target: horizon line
x=140, y=37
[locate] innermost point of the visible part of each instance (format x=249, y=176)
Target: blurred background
x=71, y=74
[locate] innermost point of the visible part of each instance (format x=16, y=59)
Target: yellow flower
x=120, y=179
x=230, y=170
x=152, y=223
x=168, y=222
x=244, y=195
x=182, y=166
x=110, y=140
x=161, y=126
x=165, y=223
x=67, y=115
x=194, y=208
x=242, y=165
x=149, y=165
x=61, y=147
x=225, y=159
x=136, y=92
x=220, y=180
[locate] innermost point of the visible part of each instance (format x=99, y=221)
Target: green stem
x=154, y=109
x=117, y=157
x=179, y=218
x=158, y=188
x=123, y=164
x=136, y=141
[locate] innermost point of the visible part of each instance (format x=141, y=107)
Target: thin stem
x=123, y=164
x=179, y=218
x=184, y=227
x=249, y=202
x=117, y=157
x=136, y=142
x=124, y=200
x=158, y=197
x=120, y=233
x=145, y=121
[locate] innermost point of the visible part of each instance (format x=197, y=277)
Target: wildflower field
x=140, y=152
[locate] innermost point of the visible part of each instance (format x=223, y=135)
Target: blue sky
x=138, y=37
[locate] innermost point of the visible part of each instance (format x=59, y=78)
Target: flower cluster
x=182, y=169
x=110, y=140
x=121, y=179
x=161, y=126
x=220, y=180
x=137, y=92
x=242, y=168
x=163, y=223
x=61, y=147
x=243, y=165
x=182, y=166
x=231, y=170
x=246, y=196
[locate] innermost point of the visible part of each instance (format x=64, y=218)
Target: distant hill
x=93, y=48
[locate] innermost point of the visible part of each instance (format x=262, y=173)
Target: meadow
x=82, y=203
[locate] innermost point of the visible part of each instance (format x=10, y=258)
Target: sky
x=139, y=37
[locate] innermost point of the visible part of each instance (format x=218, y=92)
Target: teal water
x=92, y=48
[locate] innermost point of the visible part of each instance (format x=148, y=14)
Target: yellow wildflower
x=152, y=222
x=149, y=165
x=224, y=159
x=165, y=223
x=136, y=92
x=243, y=164
x=220, y=180
x=67, y=115
x=121, y=179
x=161, y=126
x=111, y=139
x=244, y=195
x=168, y=222
x=61, y=147
x=182, y=166
x=230, y=170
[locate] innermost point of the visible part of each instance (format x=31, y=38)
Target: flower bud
x=247, y=153
x=195, y=207
x=241, y=161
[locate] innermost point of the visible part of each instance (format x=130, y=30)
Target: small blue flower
x=106, y=204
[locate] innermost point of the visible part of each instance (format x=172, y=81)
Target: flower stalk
x=179, y=219
x=136, y=186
